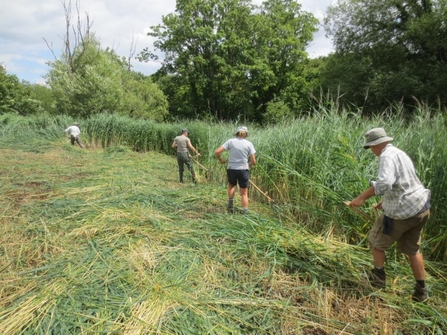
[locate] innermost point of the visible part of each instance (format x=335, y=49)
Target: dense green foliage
x=16, y=97
x=233, y=60
x=227, y=59
x=44, y=95
x=387, y=52
x=107, y=241
x=97, y=81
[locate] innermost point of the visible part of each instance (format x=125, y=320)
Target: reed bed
x=107, y=242
x=308, y=166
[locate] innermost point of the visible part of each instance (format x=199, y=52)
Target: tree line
x=232, y=59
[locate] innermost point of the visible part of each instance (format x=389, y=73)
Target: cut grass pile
x=107, y=242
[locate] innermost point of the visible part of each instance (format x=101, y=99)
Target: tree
x=228, y=59
x=204, y=43
x=403, y=42
x=87, y=80
x=16, y=97
x=276, y=112
x=282, y=33
x=43, y=94
x=100, y=82
x=77, y=39
x=347, y=79
x=91, y=86
x=142, y=98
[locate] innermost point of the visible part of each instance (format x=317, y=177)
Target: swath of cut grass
x=123, y=248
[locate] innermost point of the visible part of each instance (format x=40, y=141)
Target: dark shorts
x=240, y=177
x=407, y=234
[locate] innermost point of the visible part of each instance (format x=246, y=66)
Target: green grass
x=107, y=242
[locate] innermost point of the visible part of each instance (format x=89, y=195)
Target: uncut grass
x=313, y=164
x=107, y=241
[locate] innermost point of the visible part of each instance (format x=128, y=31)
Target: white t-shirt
x=240, y=149
x=73, y=130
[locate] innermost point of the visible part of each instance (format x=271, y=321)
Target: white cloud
x=26, y=23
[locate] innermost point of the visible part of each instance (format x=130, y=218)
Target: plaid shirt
x=403, y=195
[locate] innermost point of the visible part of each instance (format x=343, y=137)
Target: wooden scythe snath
x=361, y=213
x=260, y=191
x=197, y=162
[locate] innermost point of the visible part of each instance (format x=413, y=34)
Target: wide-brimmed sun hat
x=241, y=129
x=376, y=136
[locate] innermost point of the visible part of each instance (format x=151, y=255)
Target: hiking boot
x=377, y=278
x=230, y=210
x=244, y=211
x=420, y=293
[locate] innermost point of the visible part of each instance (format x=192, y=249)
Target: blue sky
x=26, y=24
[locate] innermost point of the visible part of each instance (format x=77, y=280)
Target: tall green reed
x=308, y=165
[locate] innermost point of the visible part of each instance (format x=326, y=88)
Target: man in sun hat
x=406, y=208
x=74, y=133
x=182, y=143
x=241, y=159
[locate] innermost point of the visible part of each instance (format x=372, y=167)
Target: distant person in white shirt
x=241, y=159
x=74, y=133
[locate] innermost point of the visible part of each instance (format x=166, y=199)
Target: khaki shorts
x=406, y=232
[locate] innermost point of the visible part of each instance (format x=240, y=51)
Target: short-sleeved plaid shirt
x=403, y=195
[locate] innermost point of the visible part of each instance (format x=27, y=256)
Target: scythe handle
x=260, y=191
x=359, y=212
x=195, y=160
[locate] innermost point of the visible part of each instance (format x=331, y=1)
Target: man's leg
x=230, y=191
x=378, y=258
x=410, y=245
x=379, y=243
x=377, y=277
x=78, y=141
x=180, y=172
x=244, y=177
x=244, y=199
x=180, y=167
x=411, y=242
x=191, y=169
x=417, y=266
